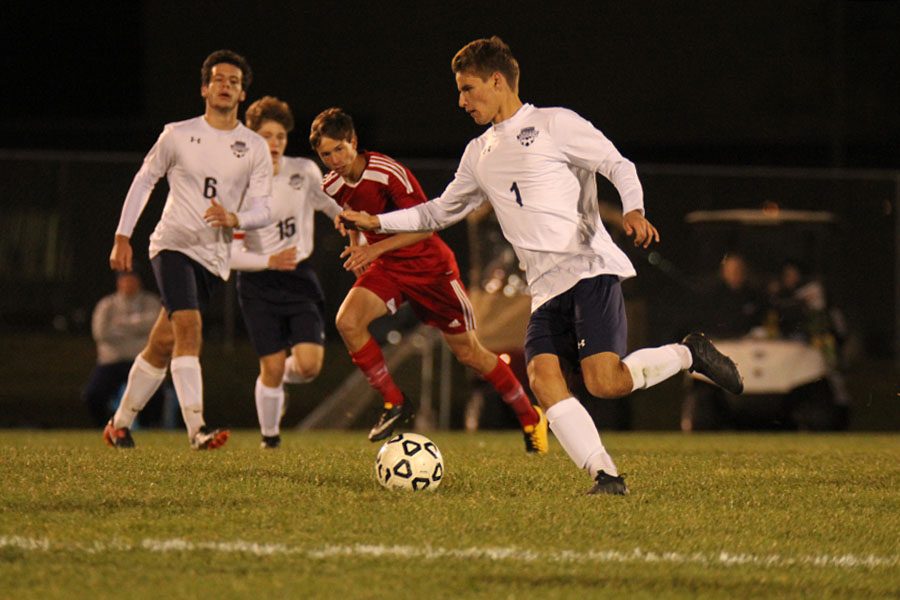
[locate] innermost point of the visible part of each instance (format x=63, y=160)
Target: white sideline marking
x=511, y=554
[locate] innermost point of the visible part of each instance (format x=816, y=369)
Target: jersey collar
x=515, y=120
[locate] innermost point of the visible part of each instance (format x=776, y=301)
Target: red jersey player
x=418, y=268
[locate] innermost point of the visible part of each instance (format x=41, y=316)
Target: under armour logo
x=581, y=344
x=195, y=139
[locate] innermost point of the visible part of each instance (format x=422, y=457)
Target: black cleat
x=391, y=417
x=609, y=484
x=117, y=438
x=707, y=360
x=270, y=442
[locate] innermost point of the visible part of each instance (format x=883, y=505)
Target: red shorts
x=438, y=299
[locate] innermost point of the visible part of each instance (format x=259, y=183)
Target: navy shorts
x=586, y=319
x=282, y=309
x=184, y=284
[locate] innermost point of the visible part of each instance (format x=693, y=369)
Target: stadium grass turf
x=708, y=515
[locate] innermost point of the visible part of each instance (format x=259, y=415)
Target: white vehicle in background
x=788, y=382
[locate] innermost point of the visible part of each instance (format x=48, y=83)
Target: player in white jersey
x=279, y=292
x=220, y=178
x=536, y=166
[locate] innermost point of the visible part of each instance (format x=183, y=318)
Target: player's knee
x=608, y=384
x=271, y=374
x=308, y=368
x=543, y=383
x=348, y=323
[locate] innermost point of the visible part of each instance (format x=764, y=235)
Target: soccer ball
x=409, y=461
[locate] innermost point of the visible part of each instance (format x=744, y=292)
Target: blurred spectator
x=731, y=307
x=120, y=325
x=803, y=313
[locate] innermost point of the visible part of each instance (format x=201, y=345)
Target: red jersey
x=385, y=186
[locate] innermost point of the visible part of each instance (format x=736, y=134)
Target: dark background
x=729, y=82
x=722, y=104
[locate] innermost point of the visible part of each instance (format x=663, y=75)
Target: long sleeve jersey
x=296, y=196
x=537, y=169
x=200, y=163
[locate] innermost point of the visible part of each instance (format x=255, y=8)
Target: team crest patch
x=239, y=148
x=527, y=136
x=296, y=181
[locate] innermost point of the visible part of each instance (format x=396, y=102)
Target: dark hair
x=486, y=56
x=331, y=122
x=226, y=56
x=269, y=108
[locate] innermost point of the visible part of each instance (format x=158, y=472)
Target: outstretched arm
x=362, y=256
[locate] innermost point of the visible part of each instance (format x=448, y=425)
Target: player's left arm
x=637, y=225
x=586, y=147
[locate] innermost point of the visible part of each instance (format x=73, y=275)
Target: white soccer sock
x=143, y=381
x=269, y=402
x=188, y=381
x=292, y=374
x=574, y=428
x=649, y=366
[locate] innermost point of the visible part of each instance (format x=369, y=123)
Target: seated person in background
x=801, y=305
x=120, y=325
x=731, y=307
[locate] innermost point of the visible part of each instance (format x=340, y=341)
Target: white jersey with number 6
x=200, y=163
x=537, y=169
x=296, y=195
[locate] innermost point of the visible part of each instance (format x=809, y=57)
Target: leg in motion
x=358, y=310
x=470, y=352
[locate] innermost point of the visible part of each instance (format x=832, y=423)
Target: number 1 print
x=515, y=190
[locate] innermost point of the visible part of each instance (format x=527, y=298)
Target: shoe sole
x=609, y=491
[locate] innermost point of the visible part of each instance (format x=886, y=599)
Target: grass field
x=709, y=515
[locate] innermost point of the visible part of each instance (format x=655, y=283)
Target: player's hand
x=359, y=258
x=351, y=220
x=643, y=231
x=285, y=260
x=120, y=259
x=217, y=216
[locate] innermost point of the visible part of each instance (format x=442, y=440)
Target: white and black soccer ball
x=409, y=461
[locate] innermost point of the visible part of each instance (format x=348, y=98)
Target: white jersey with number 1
x=537, y=169
x=296, y=195
x=200, y=163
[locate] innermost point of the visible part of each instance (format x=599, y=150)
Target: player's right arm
x=156, y=164
x=461, y=196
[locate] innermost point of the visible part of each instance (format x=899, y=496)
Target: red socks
x=503, y=380
x=370, y=361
